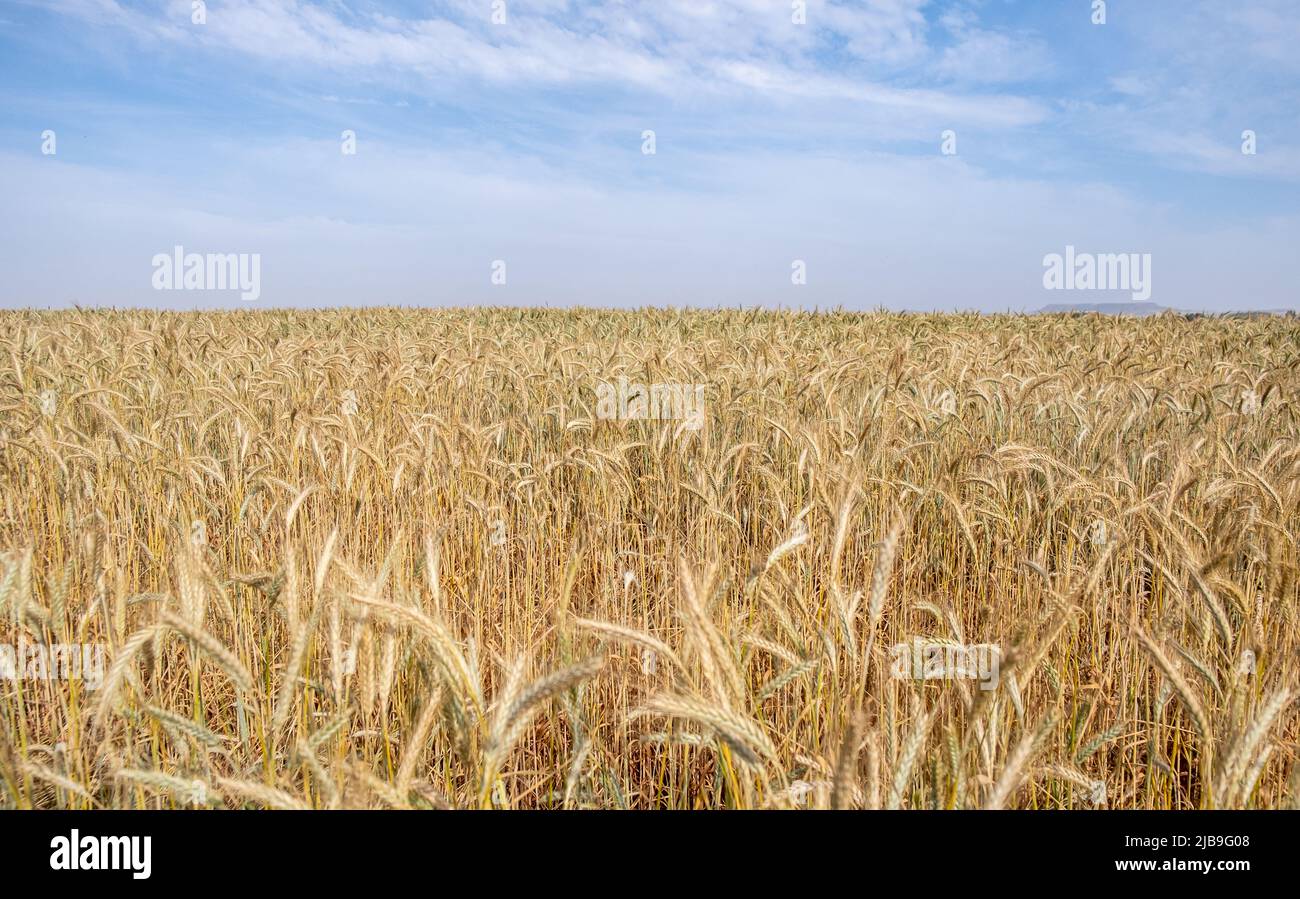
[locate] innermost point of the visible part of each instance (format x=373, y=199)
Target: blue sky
x=774, y=142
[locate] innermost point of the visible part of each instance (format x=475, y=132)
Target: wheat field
x=393, y=558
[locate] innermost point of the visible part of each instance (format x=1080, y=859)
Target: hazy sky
x=774, y=141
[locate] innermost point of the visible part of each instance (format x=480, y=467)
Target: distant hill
x=1143, y=309
x=1258, y=313
x=1106, y=308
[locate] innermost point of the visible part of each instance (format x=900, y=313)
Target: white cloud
x=1204, y=76
x=776, y=142
x=988, y=57
x=668, y=47
x=419, y=227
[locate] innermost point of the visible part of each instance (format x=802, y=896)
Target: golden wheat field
x=398, y=558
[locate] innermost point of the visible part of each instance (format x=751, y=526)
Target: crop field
x=650, y=559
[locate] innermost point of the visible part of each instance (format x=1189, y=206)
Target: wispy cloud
x=671, y=46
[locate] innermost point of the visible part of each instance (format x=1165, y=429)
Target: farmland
x=396, y=558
